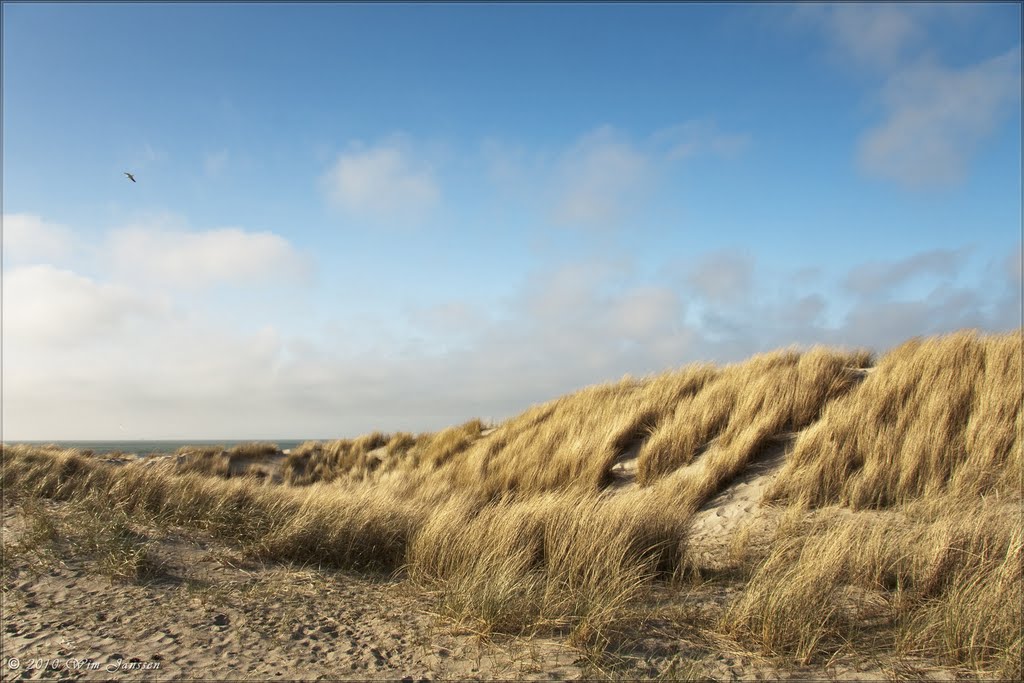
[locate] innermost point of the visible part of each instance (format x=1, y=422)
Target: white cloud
x=27, y=238
x=644, y=312
x=875, y=33
x=83, y=356
x=884, y=324
x=599, y=178
x=381, y=183
x=163, y=375
x=449, y=319
x=880, y=277
x=159, y=249
x=188, y=259
x=723, y=277
x=702, y=137
x=871, y=34
x=806, y=275
x=588, y=322
x=935, y=116
x=804, y=311
x=602, y=179
x=510, y=167
x=48, y=305
x=936, y=119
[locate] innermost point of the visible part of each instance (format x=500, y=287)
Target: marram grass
x=904, y=478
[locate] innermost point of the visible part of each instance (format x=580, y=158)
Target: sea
x=158, y=447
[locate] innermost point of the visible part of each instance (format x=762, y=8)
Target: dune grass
x=218, y=461
x=904, y=479
x=925, y=581
x=560, y=560
x=372, y=455
x=103, y=537
x=935, y=415
x=573, y=442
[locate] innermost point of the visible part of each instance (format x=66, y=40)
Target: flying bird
x=130, y=176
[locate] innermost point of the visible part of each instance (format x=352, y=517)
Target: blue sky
x=355, y=217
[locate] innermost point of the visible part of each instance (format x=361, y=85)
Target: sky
x=349, y=217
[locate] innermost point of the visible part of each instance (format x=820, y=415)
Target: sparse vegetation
x=220, y=462
x=103, y=537
x=902, y=493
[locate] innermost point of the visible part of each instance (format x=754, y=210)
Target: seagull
x=130, y=176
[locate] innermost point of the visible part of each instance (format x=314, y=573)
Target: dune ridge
x=801, y=508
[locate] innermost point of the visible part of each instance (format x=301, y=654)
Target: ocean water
x=156, y=446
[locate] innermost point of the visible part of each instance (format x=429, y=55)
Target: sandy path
x=729, y=512
x=738, y=508
x=213, y=615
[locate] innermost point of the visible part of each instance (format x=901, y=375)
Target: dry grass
x=315, y=461
x=217, y=461
x=562, y=561
x=514, y=532
x=748, y=403
x=574, y=441
x=571, y=442
x=370, y=456
x=936, y=415
x=941, y=578
x=310, y=525
x=933, y=435
x=107, y=539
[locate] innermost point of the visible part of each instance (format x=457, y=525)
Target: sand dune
x=800, y=516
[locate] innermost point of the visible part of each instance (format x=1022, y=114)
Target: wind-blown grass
x=936, y=415
x=907, y=476
x=572, y=442
x=941, y=578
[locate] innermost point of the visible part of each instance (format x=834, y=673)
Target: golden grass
x=315, y=461
x=220, y=462
x=941, y=578
x=372, y=455
x=748, y=403
x=909, y=475
x=722, y=430
x=942, y=414
x=574, y=441
x=103, y=537
x=561, y=560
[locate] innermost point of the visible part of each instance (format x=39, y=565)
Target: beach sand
x=209, y=612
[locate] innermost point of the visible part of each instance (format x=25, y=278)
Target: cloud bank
x=381, y=183
x=27, y=238
x=85, y=354
x=187, y=259
x=937, y=117
x=934, y=117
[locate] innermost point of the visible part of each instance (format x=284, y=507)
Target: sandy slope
x=211, y=614
x=214, y=616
